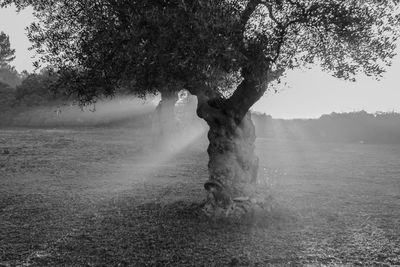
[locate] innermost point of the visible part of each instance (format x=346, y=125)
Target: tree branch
x=247, y=12
x=247, y=93
x=210, y=104
x=271, y=13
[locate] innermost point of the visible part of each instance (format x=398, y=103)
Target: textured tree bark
x=232, y=167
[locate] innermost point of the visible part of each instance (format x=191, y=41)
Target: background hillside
x=34, y=102
x=361, y=127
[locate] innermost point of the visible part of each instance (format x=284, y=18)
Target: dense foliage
x=6, y=96
x=10, y=76
x=38, y=88
x=147, y=46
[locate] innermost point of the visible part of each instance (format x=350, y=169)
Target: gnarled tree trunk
x=232, y=166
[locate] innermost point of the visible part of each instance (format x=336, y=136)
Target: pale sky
x=308, y=94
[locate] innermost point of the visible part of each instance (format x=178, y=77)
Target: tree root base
x=239, y=208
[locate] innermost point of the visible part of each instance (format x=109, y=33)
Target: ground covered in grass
x=108, y=197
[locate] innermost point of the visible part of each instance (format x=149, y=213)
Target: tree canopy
x=149, y=45
x=204, y=45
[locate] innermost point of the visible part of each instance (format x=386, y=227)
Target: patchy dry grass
x=93, y=198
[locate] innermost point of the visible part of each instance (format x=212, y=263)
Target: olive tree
x=227, y=53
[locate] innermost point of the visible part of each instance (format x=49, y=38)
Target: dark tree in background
x=224, y=52
x=7, y=97
x=6, y=53
x=38, y=88
x=8, y=74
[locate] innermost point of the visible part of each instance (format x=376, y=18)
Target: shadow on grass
x=276, y=217
x=122, y=233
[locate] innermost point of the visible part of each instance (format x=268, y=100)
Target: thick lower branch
x=247, y=93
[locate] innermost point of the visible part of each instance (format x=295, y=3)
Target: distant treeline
x=33, y=100
x=29, y=100
x=26, y=89
x=360, y=127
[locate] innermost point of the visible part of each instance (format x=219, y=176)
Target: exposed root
x=237, y=209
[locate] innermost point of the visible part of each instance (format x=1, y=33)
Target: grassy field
x=104, y=197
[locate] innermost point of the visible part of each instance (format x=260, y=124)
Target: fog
x=106, y=112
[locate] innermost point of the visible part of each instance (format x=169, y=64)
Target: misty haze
x=199, y=133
